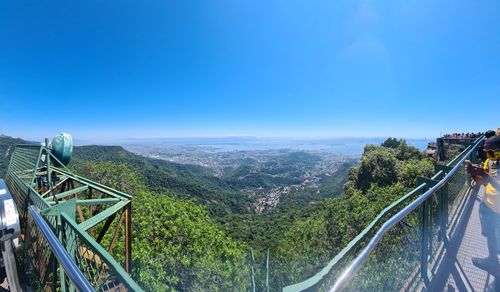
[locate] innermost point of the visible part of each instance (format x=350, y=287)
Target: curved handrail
x=70, y=268
x=318, y=277
x=358, y=262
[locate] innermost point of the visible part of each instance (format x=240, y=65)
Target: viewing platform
x=460, y=273
x=424, y=241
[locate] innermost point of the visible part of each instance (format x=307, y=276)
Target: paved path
x=463, y=275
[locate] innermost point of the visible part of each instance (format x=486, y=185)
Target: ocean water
x=340, y=146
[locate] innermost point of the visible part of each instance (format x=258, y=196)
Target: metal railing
x=68, y=265
x=361, y=258
x=402, y=248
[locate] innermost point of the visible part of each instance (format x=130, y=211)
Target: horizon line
x=242, y=136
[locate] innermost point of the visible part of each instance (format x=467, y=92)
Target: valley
x=266, y=177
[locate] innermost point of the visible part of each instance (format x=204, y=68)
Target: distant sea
x=340, y=146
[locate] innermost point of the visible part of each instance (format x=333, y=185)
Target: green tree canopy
x=391, y=143
x=176, y=244
x=377, y=167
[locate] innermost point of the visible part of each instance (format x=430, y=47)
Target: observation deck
x=459, y=274
x=424, y=241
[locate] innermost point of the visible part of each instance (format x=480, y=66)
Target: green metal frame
x=61, y=196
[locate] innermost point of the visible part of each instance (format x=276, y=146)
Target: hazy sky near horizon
x=116, y=69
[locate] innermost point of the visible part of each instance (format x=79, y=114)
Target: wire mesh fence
x=40, y=265
x=395, y=262
x=100, y=272
x=410, y=253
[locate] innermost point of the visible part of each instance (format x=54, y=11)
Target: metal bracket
x=67, y=206
x=444, y=168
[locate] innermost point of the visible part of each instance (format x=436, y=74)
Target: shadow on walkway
x=456, y=272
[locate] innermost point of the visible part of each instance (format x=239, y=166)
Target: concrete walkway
x=462, y=274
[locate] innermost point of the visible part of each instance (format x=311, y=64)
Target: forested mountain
x=174, y=183
x=250, y=182
x=318, y=233
x=193, y=230
x=303, y=237
x=176, y=244
x=186, y=181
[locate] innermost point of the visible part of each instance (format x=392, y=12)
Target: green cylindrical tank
x=62, y=147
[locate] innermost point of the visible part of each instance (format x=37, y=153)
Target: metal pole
x=60, y=231
x=424, y=251
x=253, y=271
x=128, y=237
x=47, y=161
x=10, y=265
x=267, y=271
x=443, y=195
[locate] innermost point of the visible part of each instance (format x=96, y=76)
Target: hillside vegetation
x=383, y=174
x=193, y=230
x=301, y=238
x=186, y=181
x=176, y=244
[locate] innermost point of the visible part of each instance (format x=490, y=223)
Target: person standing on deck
x=481, y=155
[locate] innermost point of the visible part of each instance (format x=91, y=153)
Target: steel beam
x=68, y=193
x=128, y=238
x=105, y=227
x=96, y=219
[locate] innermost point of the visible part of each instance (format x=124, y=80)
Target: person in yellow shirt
x=489, y=209
x=491, y=167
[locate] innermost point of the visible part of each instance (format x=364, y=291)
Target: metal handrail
x=358, y=262
x=318, y=277
x=70, y=268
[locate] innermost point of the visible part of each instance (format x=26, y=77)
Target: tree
x=118, y=176
x=407, y=152
x=178, y=246
x=391, y=143
x=377, y=167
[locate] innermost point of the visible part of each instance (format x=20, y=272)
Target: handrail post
x=253, y=271
x=60, y=236
x=443, y=203
x=426, y=228
x=424, y=248
x=443, y=194
x=128, y=238
x=267, y=271
x=47, y=162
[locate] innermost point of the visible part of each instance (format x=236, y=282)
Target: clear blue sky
x=265, y=68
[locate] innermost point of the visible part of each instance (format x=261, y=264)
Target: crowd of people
x=462, y=135
x=486, y=174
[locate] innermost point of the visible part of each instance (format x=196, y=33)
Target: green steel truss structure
x=89, y=219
